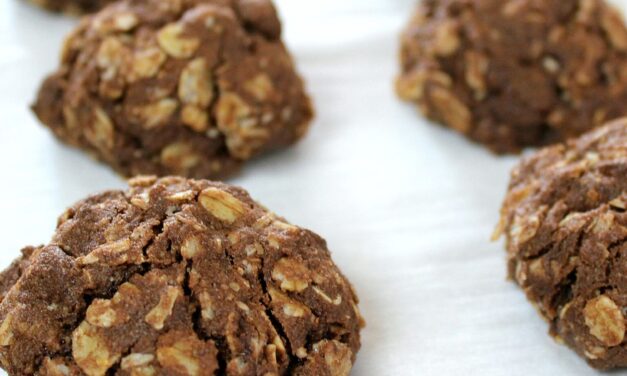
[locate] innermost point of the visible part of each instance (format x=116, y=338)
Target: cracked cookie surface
x=183, y=87
x=177, y=277
x=565, y=224
x=516, y=73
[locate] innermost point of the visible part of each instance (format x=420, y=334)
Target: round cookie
x=515, y=73
x=183, y=87
x=177, y=277
x=565, y=225
x=72, y=6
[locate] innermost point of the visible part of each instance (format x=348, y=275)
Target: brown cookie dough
x=565, y=225
x=178, y=277
x=515, y=73
x=183, y=87
x=10, y=275
x=72, y=6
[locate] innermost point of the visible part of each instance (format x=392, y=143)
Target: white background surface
x=406, y=207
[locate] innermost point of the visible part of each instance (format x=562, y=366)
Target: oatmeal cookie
x=516, y=73
x=75, y=7
x=182, y=87
x=565, y=225
x=177, y=277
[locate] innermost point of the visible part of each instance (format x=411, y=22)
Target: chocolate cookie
x=565, y=224
x=177, y=277
x=184, y=87
x=72, y=6
x=514, y=73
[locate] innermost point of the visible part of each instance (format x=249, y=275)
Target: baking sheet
x=407, y=207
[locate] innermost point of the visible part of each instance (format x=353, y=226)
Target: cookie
x=177, y=277
x=565, y=226
x=191, y=88
x=72, y=6
x=516, y=73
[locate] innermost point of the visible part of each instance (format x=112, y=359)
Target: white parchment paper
x=407, y=207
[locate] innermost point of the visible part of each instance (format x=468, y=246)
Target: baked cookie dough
x=565, y=223
x=190, y=88
x=72, y=6
x=516, y=73
x=177, y=277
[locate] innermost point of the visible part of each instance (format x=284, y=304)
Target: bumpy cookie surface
x=177, y=277
x=72, y=6
x=184, y=87
x=514, y=73
x=566, y=230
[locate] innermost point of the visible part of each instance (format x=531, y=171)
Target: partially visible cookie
x=516, y=73
x=76, y=7
x=177, y=277
x=191, y=88
x=565, y=223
